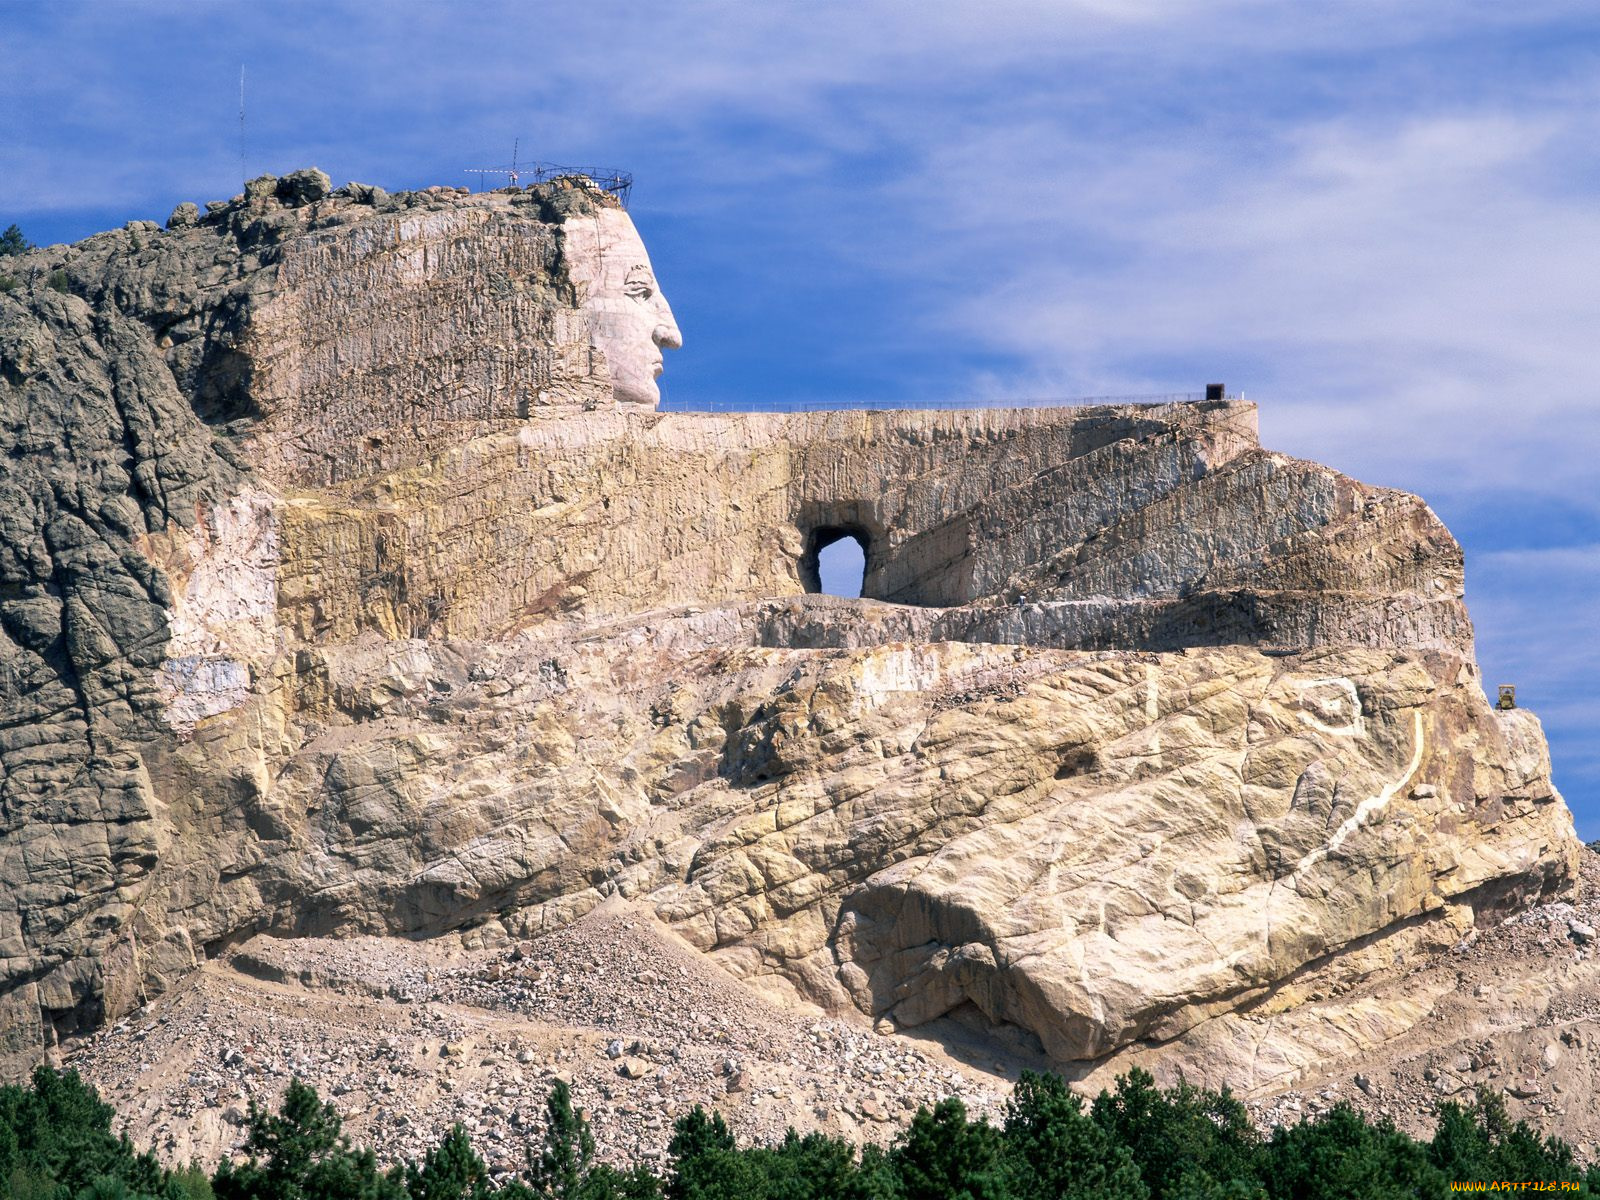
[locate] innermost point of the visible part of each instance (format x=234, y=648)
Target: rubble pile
x=1521, y=1016
x=406, y=1038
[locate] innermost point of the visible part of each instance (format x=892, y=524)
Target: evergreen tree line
x=1137, y=1142
x=12, y=241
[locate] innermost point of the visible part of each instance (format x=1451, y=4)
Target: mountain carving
x=351, y=582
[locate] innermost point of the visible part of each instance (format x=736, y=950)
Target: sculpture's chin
x=636, y=390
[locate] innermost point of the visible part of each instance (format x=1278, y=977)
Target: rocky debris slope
x=1515, y=1008
x=351, y=602
x=406, y=1039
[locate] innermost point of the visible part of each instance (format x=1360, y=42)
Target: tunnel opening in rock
x=835, y=562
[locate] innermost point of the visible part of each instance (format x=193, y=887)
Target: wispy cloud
x=1396, y=289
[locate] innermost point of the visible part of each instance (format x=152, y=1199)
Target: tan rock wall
x=1165, y=526
x=1096, y=849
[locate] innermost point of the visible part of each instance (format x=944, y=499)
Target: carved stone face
x=629, y=320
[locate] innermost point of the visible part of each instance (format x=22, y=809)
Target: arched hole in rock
x=836, y=562
x=842, y=567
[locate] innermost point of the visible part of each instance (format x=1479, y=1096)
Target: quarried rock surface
x=351, y=584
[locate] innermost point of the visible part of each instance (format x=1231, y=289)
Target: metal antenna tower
x=512, y=173
x=244, y=173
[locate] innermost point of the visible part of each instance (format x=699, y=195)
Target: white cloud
x=1579, y=565
x=1401, y=289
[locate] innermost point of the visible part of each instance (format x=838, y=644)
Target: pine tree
x=568, y=1150
x=1338, y=1156
x=1482, y=1142
x=56, y=1140
x=943, y=1157
x=451, y=1170
x=875, y=1176
x=12, y=242
x=300, y=1154
x=1055, y=1152
x=608, y=1183
x=1182, y=1134
x=813, y=1167
x=705, y=1163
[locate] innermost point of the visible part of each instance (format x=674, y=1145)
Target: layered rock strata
x=349, y=582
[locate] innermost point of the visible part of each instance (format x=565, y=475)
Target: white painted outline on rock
x=1355, y=727
x=1370, y=805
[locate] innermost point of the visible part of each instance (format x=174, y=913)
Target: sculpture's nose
x=666, y=334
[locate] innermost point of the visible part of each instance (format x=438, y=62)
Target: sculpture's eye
x=640, y=284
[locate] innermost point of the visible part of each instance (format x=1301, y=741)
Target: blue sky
x=1379, y=220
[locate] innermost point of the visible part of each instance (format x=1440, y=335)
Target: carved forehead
x=604, y=250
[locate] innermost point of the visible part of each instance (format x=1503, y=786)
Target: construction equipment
x=607, y=179
x=513, y=172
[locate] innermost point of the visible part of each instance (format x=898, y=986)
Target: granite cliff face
x=350, y=583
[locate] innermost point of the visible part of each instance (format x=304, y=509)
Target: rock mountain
x=351, y=583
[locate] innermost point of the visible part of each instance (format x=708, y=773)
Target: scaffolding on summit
x=617, y=182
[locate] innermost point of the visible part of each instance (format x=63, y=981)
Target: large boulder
x=305, y=186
